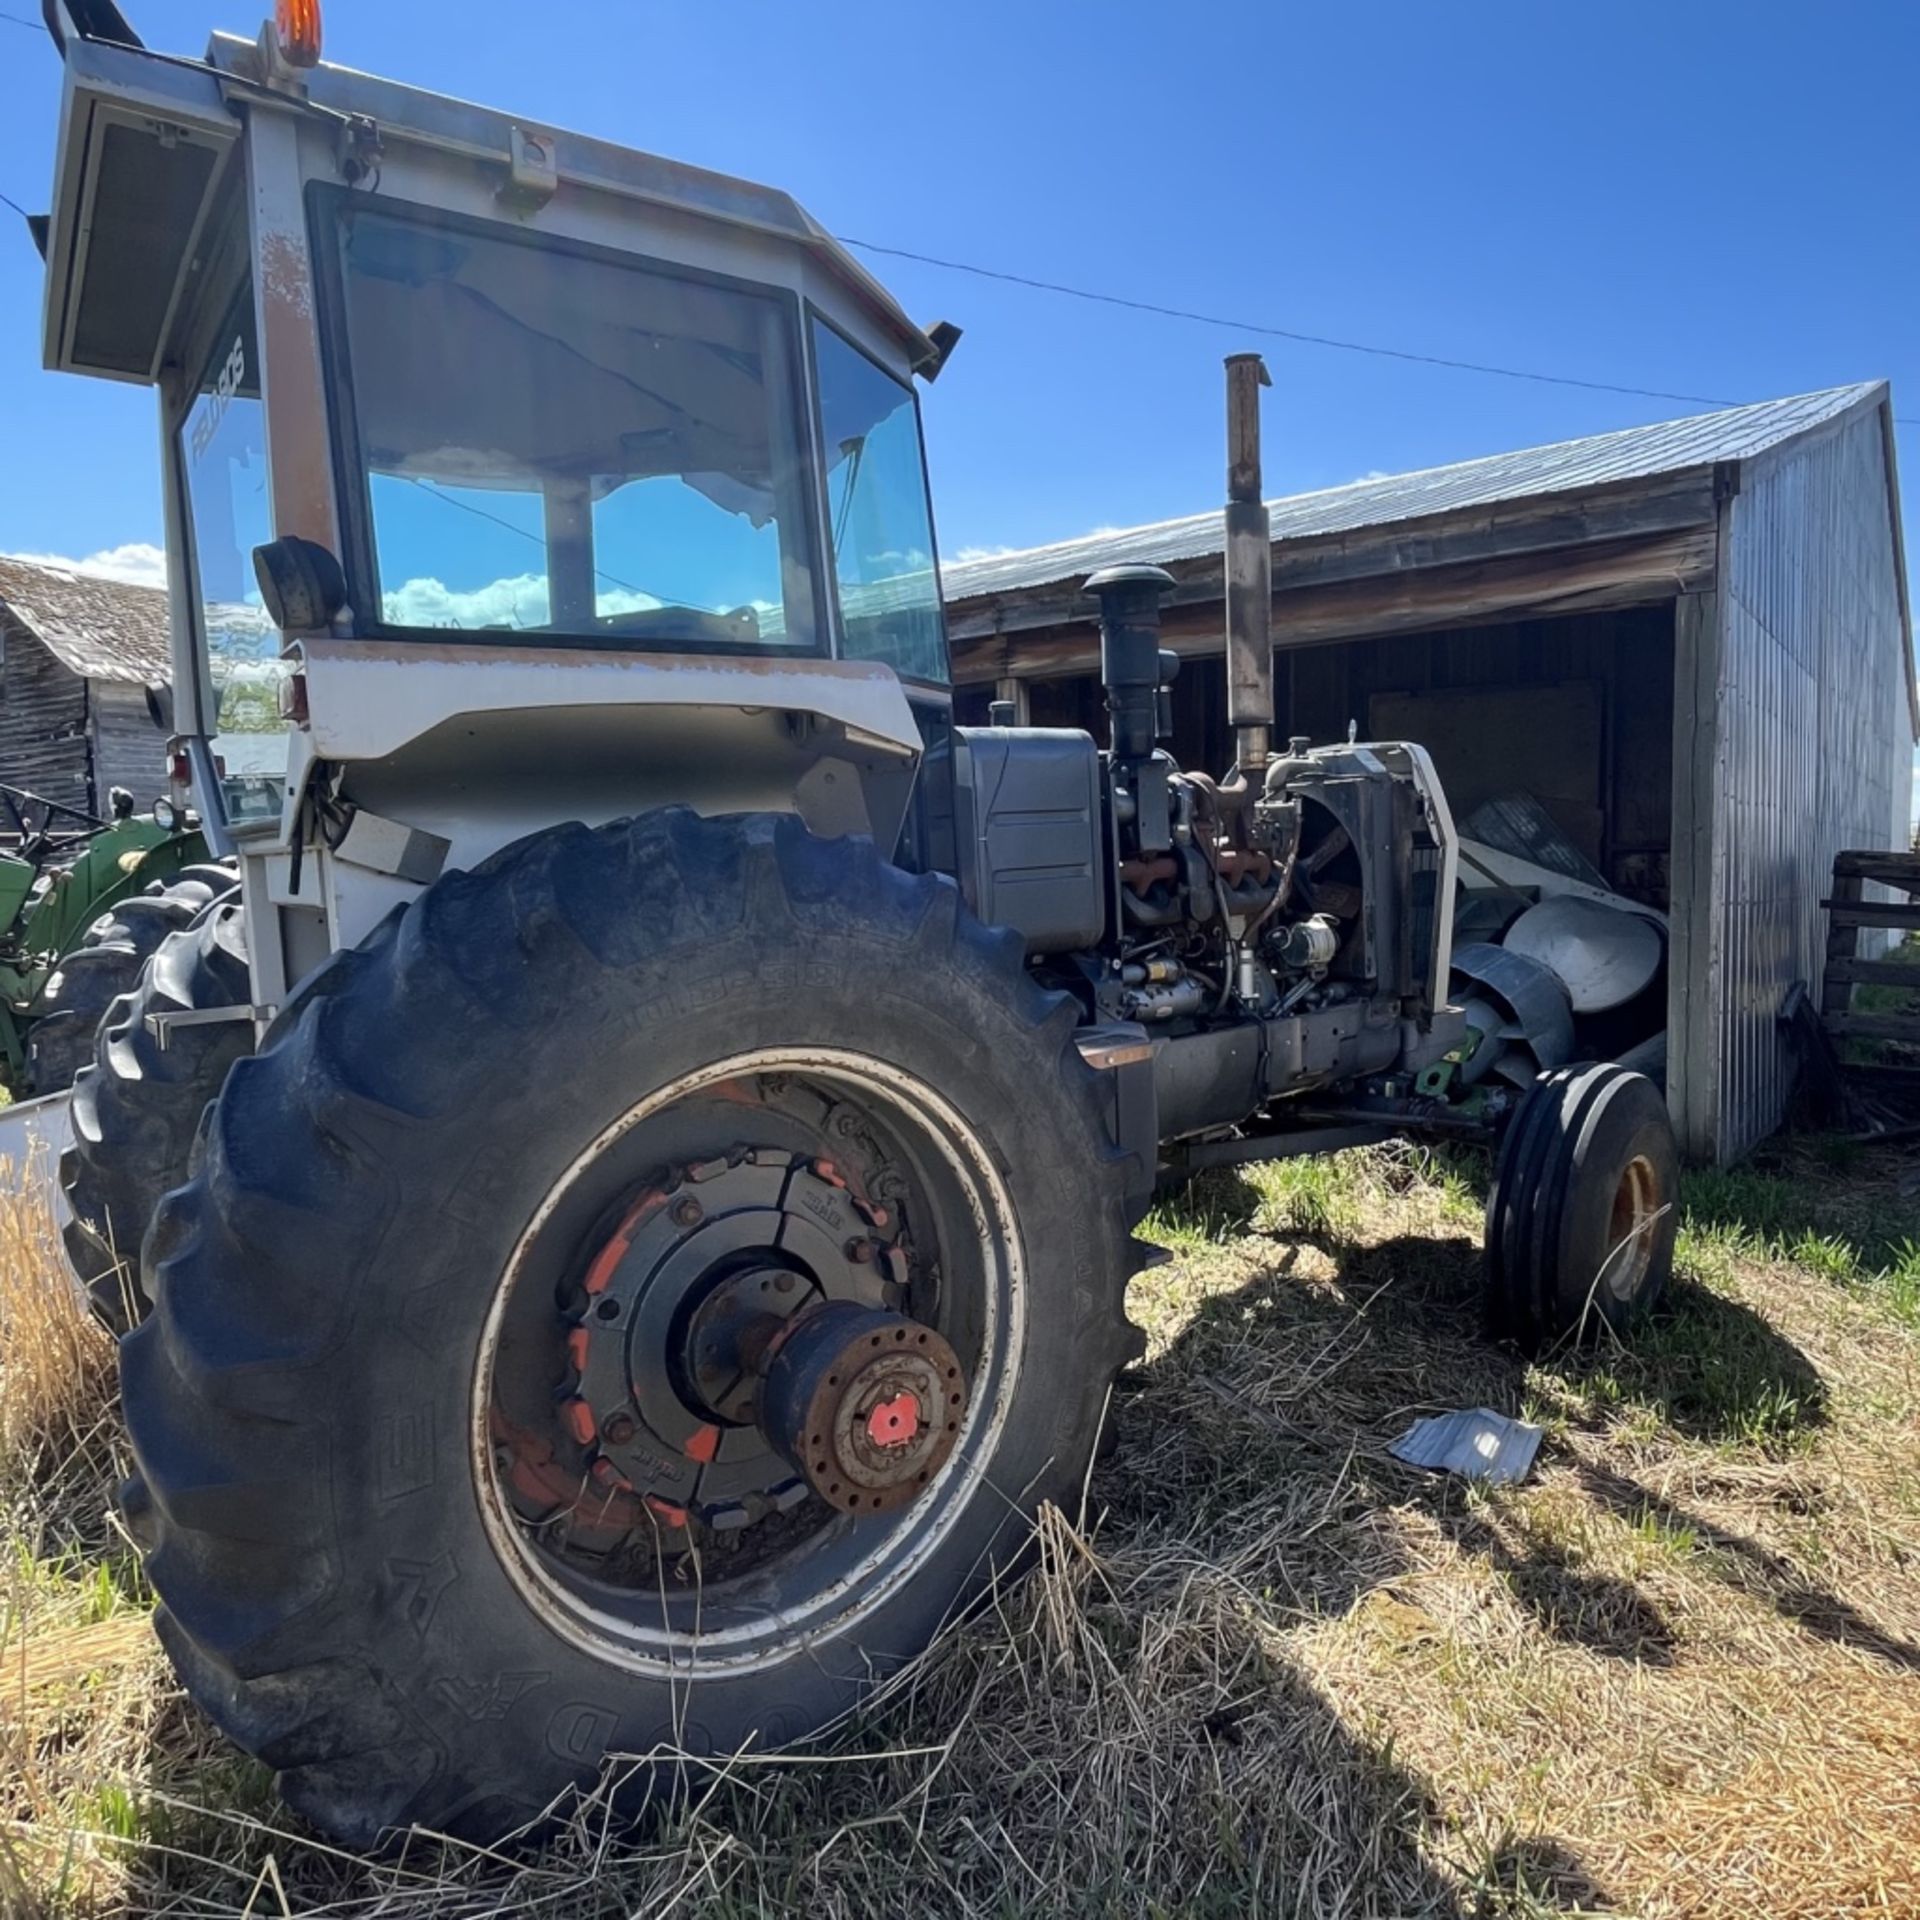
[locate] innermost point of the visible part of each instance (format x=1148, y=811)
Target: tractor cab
x=489, y=401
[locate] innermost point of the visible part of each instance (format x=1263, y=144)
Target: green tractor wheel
x=137, y=1106
x=78, y=992
x=105, y=965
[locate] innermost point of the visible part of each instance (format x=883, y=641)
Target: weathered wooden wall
x=43, y=720
x=128, y=749
x=1624, y=658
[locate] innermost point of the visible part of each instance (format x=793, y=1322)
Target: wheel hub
x=750, y=1227
x=1636, y=1207
x=866, y=1404
x=700, y=1339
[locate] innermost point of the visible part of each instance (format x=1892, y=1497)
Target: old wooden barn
x=1691, y=642
x=83, y=668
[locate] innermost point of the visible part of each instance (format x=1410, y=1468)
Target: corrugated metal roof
x=100, y=629
x=1571, y=466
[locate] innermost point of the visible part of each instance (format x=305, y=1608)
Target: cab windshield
x=568, y=443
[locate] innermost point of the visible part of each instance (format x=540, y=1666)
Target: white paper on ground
x=1474, y=1442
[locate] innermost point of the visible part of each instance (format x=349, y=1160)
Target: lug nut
x=687, y=1212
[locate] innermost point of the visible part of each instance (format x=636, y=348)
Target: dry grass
x=1271, y=1671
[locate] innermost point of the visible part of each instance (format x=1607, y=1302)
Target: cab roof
x=143, y=136
x=439, y=119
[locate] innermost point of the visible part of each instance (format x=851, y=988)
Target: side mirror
x=944, y=337
x=301, y=583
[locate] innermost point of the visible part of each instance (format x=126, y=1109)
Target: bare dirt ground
x=1269, y=1670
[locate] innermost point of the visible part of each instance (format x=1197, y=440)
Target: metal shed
x=84, y=665
x=1691, y=641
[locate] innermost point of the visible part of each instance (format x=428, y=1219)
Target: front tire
x=1584, y=1209
x=401, y=1553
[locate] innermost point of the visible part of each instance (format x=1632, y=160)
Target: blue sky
x=1713, y=198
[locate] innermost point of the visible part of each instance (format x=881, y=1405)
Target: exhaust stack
x=1249, y=570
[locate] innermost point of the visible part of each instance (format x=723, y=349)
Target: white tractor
x=622, y=1214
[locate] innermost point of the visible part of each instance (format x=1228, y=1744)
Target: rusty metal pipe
x=1249, y=568
x=1143, y=872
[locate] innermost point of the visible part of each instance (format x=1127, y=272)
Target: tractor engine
x=1266, y=934
x=1269, y=933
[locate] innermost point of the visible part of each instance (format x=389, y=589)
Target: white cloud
x=137, y=563
x=514, y=603
x=982, y=553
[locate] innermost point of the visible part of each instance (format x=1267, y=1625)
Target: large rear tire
x=408, y=1551
x=1584, y=1209
x=136, y=1108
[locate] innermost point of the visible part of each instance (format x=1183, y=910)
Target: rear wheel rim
x=655, y=1604
x=1631, y=1227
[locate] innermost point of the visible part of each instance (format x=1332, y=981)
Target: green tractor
x=83, y=902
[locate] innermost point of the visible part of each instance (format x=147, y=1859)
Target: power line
x=8, y=198
x=1259, y=328
x=1265, y=331
x=1291, y=333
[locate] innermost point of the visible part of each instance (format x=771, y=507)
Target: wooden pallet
x=1870, y=1088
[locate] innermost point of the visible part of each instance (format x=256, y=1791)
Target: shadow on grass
x=1287, y=1384
x=1583, y=1606
x=1752, y=1567
x=1704, y=1366
x=1213, y=1206
x=1264, y=1427
x=1251, y=1451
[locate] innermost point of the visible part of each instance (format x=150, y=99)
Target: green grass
x=1810, y=1216
x=1879, y=999
x=1708, y=1365
x=1860, y=1051
x=1213, y=1208
x=1325, y=1197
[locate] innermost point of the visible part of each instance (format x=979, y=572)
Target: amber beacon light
x=297, y=26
